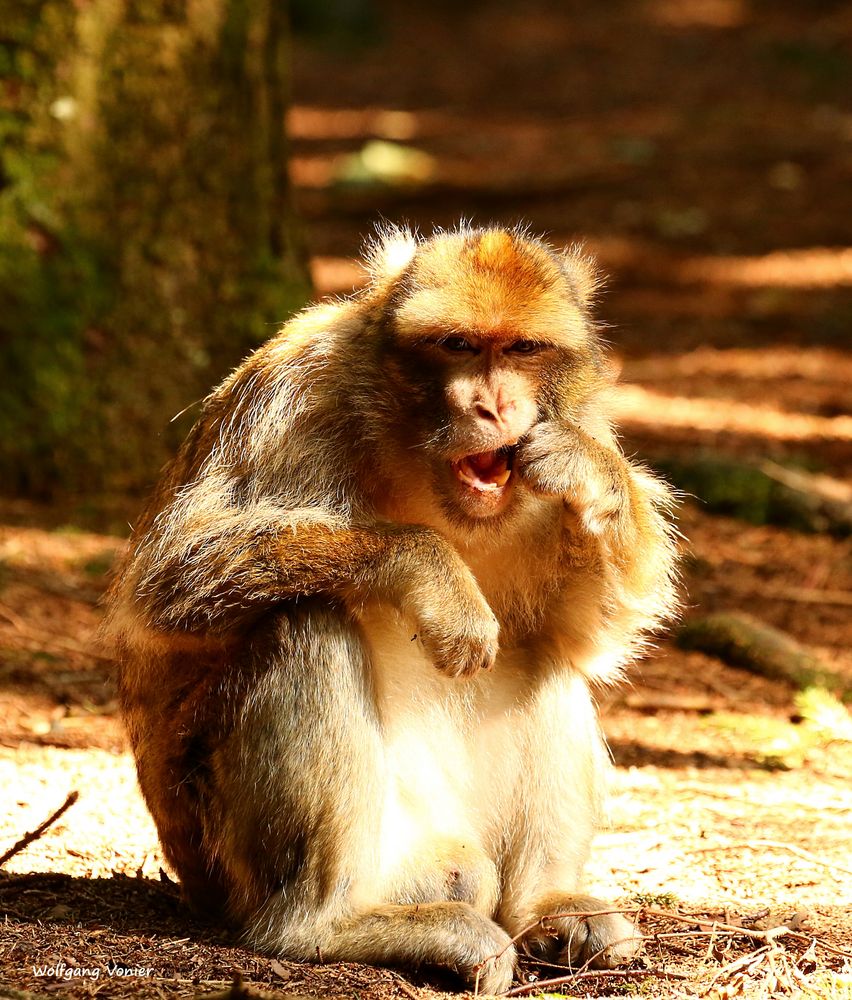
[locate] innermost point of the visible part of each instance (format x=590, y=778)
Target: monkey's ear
x=583, y=274
x=387, y=255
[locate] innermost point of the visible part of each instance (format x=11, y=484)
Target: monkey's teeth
x=487, y=472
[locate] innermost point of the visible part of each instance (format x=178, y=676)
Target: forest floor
x=702, y=150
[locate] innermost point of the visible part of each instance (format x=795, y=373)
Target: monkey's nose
x=497, y=412
x=487, y=413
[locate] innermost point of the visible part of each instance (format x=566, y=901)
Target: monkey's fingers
x=466, y=659
x=465, y=651
x=547, y=459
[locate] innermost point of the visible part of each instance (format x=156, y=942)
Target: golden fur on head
x=489, y=281
x=358, y=622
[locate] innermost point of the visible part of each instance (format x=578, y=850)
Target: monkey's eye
x=457, y=345
x=524, y=347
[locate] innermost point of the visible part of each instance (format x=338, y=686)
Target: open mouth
x=487, y=471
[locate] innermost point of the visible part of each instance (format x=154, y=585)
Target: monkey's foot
x=476, y=948
x=583, y=930
x=447, y=935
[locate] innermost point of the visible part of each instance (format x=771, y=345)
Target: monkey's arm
x=218, y=579
x=619, y=511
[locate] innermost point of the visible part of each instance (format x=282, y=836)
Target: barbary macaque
x=359, y=624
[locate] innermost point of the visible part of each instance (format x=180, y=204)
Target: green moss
x=98, y=566
x=663, y=900
x=744, y=641
x=146, y=239
x=778, y=744
x=740, y=489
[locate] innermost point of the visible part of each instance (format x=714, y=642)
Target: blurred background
x=156, y=221
x=178, y=176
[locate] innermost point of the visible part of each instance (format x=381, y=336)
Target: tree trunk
x=146, y=236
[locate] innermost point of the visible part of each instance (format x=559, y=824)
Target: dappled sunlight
x=707, y=835
x=795, y=380
x=472, y=151
x=636, y=405
x=700, y=151
x=55, y=677
x=812, y=363
x=794, y=268
x=314, y=123
x=107, y=830
x=814, y=267
x=305, y=122
x=698, y=13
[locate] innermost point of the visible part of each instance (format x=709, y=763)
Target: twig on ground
x=26, y=840
x=690, y=790
x=779, y=845
x=540, y=923
x=766, y=936
x=518, y=991
x=402, y=985
x=716, y=928
x=737, y=964
x=530, y=927
x=46, y=640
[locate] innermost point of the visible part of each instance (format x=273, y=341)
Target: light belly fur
x=475, y=770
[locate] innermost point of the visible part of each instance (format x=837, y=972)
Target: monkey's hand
x=459, y=631
x=561, y=459
x=454, y=622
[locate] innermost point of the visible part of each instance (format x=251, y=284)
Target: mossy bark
x=744, y=641
x=146, y=236
x=763, y=493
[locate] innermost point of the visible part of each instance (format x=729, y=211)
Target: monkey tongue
x=488, y=470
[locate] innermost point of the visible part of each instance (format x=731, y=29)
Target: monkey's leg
x=450, y=935
x=561, y=812
x=295, y=821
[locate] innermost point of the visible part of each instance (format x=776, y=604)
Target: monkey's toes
x=493, y=974
x=591, y=936
x=603, y=941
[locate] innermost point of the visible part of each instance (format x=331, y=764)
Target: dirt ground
x=702, y=149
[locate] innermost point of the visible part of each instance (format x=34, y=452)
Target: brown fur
x=311, y=602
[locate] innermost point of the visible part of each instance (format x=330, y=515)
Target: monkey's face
x=474, y=398
x=485, y=340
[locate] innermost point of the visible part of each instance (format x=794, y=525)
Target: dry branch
x=26, y=840
x=772, y=934
x=744, y=641
x=779, y=845
x=711, y=927
x=571, y=977
x=767, y=493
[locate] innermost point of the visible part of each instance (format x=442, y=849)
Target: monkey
x=360, y=625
